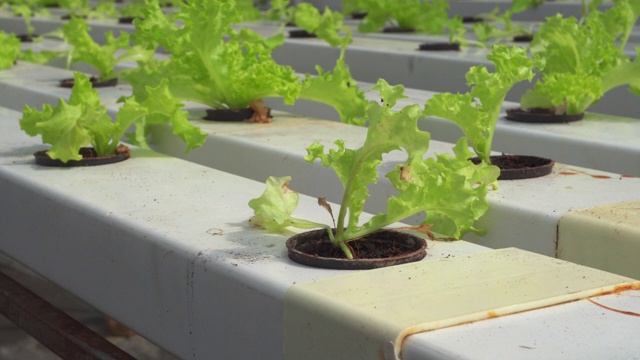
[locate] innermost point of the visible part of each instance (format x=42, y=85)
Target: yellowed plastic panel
x=603, y=237
x=360, y=315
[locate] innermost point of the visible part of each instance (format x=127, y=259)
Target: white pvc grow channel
x=169, y=245
x=523, y=214
x=602, y=142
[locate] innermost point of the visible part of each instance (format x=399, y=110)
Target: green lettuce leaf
x=10, y=49
x=280, y=10
x=205, y=68
x=429, y=16
x=326, y=26
x=158, y=106
x=103, y=58
x=40, y=57
x=273, y=209
x=477, y=112
x=336, y=88
x=26, y=12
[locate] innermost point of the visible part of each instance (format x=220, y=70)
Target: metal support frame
x=50, y=326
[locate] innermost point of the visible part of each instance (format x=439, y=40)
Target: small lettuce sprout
x=449, y=189
x=477, y=111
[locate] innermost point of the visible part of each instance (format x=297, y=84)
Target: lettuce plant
x=579, y=62
x=83, y=120
x=477, y=111
x=132, y=9
x=448, y=188
x=11, y=52
x=103, y=58
x=488, y=30
x=280, y=10
x=81, y=8
x=215, y=65
x=350, y=7
x=10, y=49
x=26, y=12
x=429, y=16
x=211, y=63
x=40, y=57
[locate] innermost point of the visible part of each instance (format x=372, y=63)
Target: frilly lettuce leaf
x=568, y=93
x=280, y=10
x=40, y=57
x=10, y=49
x=337, y=87
x=326, y=26
x=159, y=106
x=273, y=209
x=477, y=112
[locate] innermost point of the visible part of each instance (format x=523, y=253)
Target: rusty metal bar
x=54, y=329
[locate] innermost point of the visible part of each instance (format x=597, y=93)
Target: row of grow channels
x=490, y=98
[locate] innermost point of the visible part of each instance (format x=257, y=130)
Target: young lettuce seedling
x=350, y=7
x=84, y=120
x=579, y=63
x=487, y=30
x=280, y=10
x=26, y=12
x=477, y=111
x=10, y=49
x=450, y=189
x=81, y=8
x=103, y=58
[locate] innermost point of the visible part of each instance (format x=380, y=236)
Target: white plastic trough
x=164, y=247
x=524, y=214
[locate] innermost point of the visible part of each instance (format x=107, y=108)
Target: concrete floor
x=15, y=344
